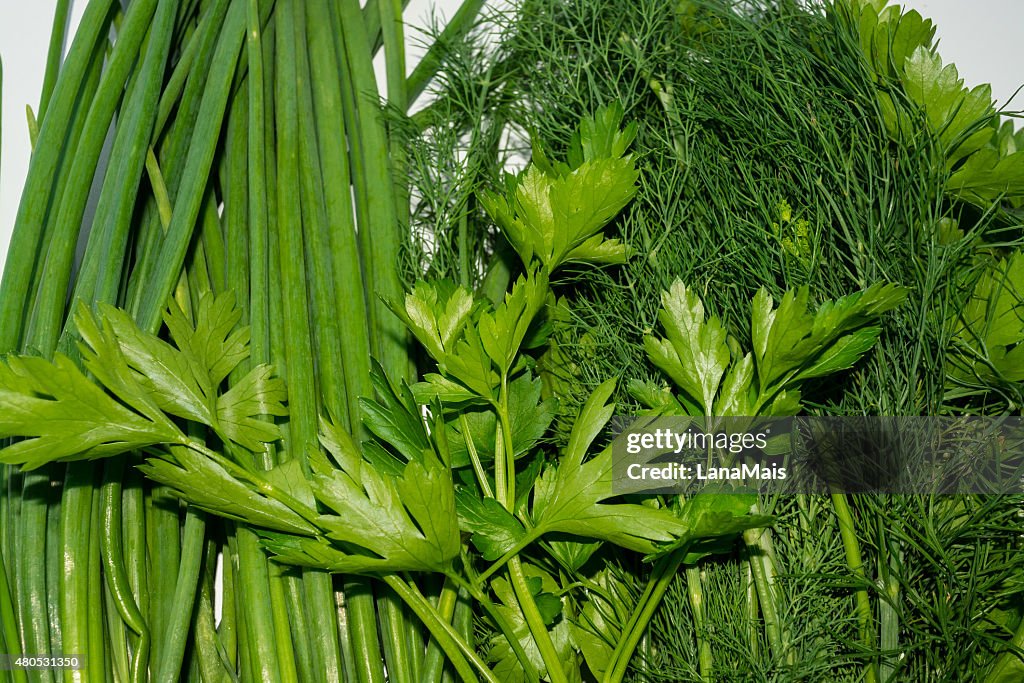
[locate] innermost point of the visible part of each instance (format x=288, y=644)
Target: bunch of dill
x=766, y=162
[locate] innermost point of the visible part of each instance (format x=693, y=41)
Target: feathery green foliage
x=785, y=147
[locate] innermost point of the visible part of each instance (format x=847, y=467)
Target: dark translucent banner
x=913, y=455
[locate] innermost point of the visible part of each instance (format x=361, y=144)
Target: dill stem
x=851, y=546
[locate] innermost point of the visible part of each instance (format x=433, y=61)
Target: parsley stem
x=508, y=447
x=500, y=468
x=505, y=481
x=661, y=577
x=762, y=567
x=502, y=623
x=474, y=457
x=531, y=536
x=460, y=654
x=535, y=622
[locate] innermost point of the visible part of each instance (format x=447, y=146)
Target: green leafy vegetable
x=495, y=531
x=791, y=344
x=695, y=354
x=554, y=212
x=507, y=666
x=952, y=111
x=66, y=417
x=713, y=515
x=149, y=381
x=436, y=313
x=989, y=332
x=211, y=487
x=569, y=498
x=409, y=522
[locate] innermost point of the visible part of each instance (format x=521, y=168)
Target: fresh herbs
x=732, y=209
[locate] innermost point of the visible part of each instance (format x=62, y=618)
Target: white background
x=980, y=37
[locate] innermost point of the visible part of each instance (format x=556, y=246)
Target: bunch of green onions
x=249, y=155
